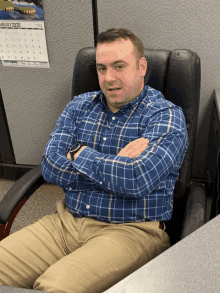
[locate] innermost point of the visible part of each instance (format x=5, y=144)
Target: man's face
x=117, y=68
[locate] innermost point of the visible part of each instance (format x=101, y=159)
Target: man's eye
x=101, y=69
x=119, y=67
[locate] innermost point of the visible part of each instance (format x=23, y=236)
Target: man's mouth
x=114, y=89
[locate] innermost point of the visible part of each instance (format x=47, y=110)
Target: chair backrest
x=176, y=74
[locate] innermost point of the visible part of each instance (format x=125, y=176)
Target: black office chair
x=177, y=75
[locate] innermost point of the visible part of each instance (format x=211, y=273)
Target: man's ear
x=143, y=66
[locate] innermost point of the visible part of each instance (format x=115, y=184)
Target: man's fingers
x=136, y=143
x=130, y=145
x=137, y=151
x=139, y=145
x=134, y=148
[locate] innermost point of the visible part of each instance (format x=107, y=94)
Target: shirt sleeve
x=56, y=168
x=136, y=178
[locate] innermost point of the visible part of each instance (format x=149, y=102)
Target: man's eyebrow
x=116, y=62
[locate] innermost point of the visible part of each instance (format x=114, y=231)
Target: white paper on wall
x=22, y=34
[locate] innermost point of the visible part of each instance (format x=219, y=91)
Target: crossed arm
x=131, y=150
x=135, y=171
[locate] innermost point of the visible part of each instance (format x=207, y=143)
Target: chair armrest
x=213, y=153
x=216, y=94
x=23, y=188
x=195, y=213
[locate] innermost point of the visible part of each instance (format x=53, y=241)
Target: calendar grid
x=23, y=41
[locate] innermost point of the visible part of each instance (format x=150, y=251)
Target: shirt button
x=104, y=138
x=88, y=206
x=113, y=118
x=101, y=182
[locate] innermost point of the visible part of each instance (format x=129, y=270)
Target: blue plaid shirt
x=111, y=188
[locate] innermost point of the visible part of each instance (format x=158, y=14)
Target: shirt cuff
x=85, y=159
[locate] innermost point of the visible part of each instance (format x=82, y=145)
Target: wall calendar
x=22, y=34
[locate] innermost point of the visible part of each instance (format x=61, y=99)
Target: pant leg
x=26, y=254
x=106, y=256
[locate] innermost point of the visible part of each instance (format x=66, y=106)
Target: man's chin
x=113, y=101
x=114, y=96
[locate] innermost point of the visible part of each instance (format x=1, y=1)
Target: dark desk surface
x=191, y=265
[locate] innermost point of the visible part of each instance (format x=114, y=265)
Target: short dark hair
x=115, y=34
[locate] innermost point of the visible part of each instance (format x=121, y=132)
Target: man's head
x=120, y=64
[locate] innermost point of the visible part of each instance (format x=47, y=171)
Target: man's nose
x=110, y=75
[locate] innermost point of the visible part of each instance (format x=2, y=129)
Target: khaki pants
x=62, y=253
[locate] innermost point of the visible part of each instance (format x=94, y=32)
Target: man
x=116, y=153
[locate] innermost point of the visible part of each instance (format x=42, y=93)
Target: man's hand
x=134, y=148
x=68, y=156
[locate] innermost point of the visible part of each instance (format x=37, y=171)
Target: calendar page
x=22, y=34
